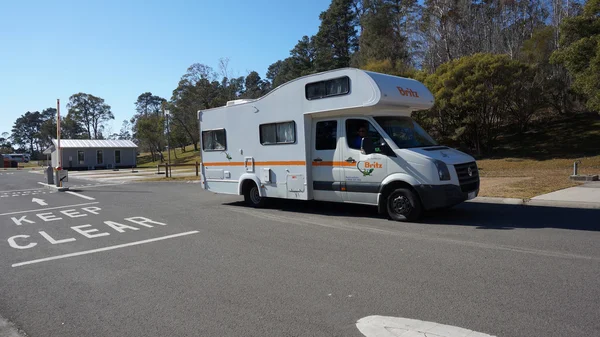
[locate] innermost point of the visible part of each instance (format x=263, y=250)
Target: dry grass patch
x=527, y=178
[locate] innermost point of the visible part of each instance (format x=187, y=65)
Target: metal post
x=575, y=167
x=58, y=150
x=167, y=113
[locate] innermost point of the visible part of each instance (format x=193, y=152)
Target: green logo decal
x=367, y=168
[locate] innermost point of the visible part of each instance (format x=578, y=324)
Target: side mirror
x=366, y=145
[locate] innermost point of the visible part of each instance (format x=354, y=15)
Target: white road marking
x=385, y=326
x=45, y=209
x=102, y=249
x=31, y=189
x=41, y=202
x=80, y=195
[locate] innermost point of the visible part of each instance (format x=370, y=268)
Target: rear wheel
x=403, y=205
x=252, y=195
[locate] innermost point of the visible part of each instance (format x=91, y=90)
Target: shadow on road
x=479, y=215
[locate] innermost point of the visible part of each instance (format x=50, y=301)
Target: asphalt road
x=168, y=259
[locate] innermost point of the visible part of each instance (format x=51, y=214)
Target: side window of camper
x=328, y=88
x=326, y=133
x=214, y=140
x=356, y=129
x=278, y=133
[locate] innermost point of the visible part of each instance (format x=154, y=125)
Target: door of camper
x=325, y=159
x=363, y=173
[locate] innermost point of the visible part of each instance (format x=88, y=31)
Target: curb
x=536, y=202
x=60, y=189
x=492, y=200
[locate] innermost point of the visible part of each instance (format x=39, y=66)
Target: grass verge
x=178, y=156
x=527, y=178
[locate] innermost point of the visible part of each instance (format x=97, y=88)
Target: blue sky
x=119, y=49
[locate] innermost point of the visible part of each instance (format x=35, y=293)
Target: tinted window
x=214, y=140
x=278, y=133
x=356, y=129
x=328, y=88
x=326, y=135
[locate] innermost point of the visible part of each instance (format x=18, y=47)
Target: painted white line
x=385, y=326
x=103, y=185
x=102, y=249
x=80, y=195
x=47, y=209
x=31, y=189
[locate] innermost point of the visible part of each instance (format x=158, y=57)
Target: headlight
x=442, y=169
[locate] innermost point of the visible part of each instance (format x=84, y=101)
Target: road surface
x=168, y=259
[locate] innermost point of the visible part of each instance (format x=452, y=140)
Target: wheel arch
x=245, y=179
x=390, y=184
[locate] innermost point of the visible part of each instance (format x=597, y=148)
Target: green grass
x=188, y=157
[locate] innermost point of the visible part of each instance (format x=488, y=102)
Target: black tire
x=403, y=204
x=252, y=196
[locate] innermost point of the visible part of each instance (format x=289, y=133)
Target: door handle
x=317, y=159
x=350, y=160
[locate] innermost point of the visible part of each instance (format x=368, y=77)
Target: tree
x=148, y=123
x=475, y=95
x=90, y=112
x=255, y=87
x=149, y=104
x=70, y=129
x=26, y=129
x=388, y=26
x=580, y=52
x=336, y=40
x=5, y=145
x=149, y=130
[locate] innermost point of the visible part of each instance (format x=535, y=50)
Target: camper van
x=344, y=135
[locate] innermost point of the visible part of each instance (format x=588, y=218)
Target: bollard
x=575, y=167
x=49, y=175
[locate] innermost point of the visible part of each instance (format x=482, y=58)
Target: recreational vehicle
x=344, y=135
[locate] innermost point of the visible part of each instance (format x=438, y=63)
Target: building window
x=328, y=88
x=99, y=157
x=278, y=133
x=81, y=157
x=117, y=156
x=326, y=135
x=214, y=140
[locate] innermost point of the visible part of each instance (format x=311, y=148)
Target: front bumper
x=441, y=196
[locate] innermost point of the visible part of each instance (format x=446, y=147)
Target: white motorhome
x=344, y=135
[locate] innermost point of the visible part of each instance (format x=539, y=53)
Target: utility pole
x=58, y=132
x=167, y=114
x=58, y=150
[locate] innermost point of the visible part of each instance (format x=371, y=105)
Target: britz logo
x=367, y=168
x=408, y=92
x=371, y=165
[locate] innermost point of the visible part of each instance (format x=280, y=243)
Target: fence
x=169, y=168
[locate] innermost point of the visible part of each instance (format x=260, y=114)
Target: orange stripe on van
x=333, y=163
x=259, y=163
x=284, y=163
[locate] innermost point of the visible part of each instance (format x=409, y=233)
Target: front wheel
x=404, y=205
x=252, y=196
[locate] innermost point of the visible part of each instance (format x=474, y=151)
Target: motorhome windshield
x=405, y=132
